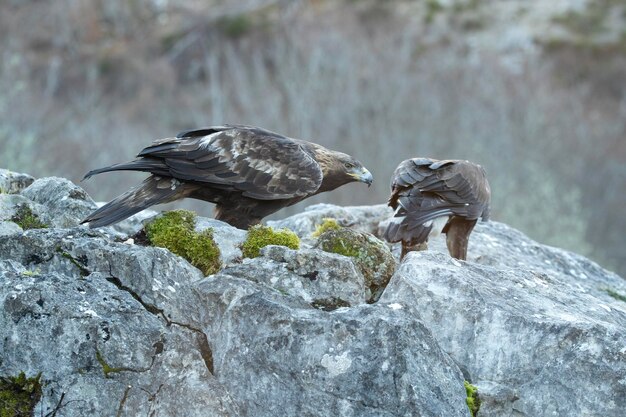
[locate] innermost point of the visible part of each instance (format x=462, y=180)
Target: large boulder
x=99, y=350
x=116, y=328
x=282, y=357
x=534, y=342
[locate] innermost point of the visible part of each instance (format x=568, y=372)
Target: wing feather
x=262, y=164
x=424, y=189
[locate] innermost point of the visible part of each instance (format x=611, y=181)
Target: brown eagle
x=248, y=172
x=425, y=191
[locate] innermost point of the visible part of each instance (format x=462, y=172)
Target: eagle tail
x=154, y=190
x=399, y=229
x=155, y=166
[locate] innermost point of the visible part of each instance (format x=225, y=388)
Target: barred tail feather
x=399, y=229
x=154, y=190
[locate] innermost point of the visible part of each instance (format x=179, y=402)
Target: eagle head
x=355, y=171
x=339, y=168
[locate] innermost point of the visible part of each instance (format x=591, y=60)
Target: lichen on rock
x=369, y=254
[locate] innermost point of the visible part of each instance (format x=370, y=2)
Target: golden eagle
x=425, y=190
x=248, y=172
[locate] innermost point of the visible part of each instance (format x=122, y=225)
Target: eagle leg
x=408, y=247
x=457, y=232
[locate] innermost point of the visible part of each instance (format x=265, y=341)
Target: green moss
x=175, y=232
x=83, y=271
x=370, y=255
x=106, y=368
x=260, y=236
x=327, y=224
x=472, y=400
x=616, y=295
x=19, y=395
x=344, y=244
x=26, y=219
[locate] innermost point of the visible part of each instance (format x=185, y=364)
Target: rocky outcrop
x=116, y=328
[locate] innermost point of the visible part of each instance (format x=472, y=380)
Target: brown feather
x=248, y=172
x=425, y=189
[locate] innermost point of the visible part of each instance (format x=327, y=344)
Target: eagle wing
x=262, y=164
x=424, y=189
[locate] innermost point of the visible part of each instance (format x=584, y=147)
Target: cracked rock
x=116, y=328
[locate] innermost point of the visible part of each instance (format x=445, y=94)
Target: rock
x=122, y=329
x=66, y=203
x=12, y=204
x=360, y=218
x=13, y=182
x=370, y=255
x=534, y=342
x=281, y=358
x=8, y=228
x=498, y=245
x=153, y=274
x=97, y=364
x=130, y=226
x=228, y=238
x=324, y=280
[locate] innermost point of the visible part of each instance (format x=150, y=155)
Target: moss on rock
x=370, y=255
x=26, y=219
x=19, y=395
x=472, y=400
x=106, y=368
x=175, y=232
x=327, y=224
x=260, y=236
x=616, y=295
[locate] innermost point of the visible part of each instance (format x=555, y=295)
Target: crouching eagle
x=425, y=191
x=246, y=171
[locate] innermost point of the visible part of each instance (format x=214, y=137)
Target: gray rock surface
x=539, y=330
x=369, y=254
x=13, y=182
x=66, y=203
x=229, y=239
x=360, y=218
x=99, y=350
x=281, y=358
x=533, y=342
x=319, y=278
x=11, y=203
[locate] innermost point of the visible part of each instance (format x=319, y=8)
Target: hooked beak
x=363, y=175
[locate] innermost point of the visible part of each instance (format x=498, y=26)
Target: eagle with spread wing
x=425, y=191
x=248, y=172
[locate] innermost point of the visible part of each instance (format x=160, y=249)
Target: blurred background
x=533, y=90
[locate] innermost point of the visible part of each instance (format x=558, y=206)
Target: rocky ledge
x=104, y=326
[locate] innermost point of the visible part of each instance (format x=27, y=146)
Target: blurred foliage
x=85, y=84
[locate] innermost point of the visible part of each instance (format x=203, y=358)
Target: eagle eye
x=348, y=165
